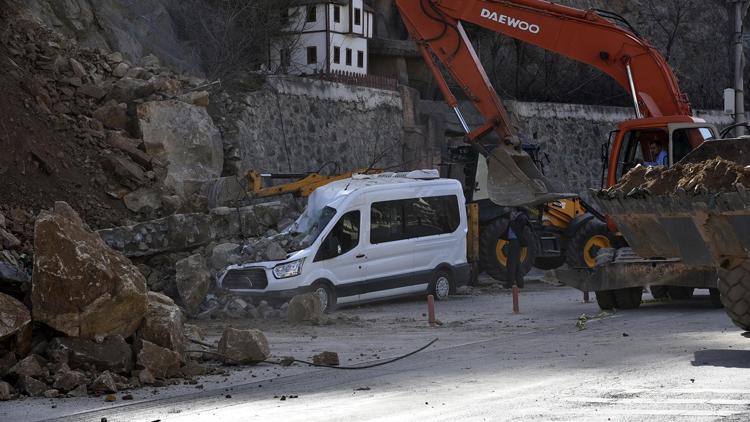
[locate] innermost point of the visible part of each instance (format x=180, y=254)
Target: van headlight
x=288, y=269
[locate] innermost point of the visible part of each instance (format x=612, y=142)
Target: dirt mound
x=68, y=130
x=714, y=175
x=46, y=156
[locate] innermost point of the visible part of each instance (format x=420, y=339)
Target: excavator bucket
x=513, y=180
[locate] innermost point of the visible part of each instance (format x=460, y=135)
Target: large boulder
x=244, y=346
x=304, y=307
x=113, y=115
x=159, y=361
x=13, y=316
x=31, y=386
x=163, y=324
x=82, y=287
x=143, y=200
x=6, y=391
x=28, y=366
x=113, y=354
x=224, y=255
x=104, y=383
x=69, y=380
x=125, y=171
x=184, y=136
x=193, y=281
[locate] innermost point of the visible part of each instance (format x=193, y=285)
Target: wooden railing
x=357, y=79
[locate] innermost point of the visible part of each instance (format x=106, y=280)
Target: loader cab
x=631, y=145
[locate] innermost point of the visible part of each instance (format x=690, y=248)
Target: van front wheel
x=441, y=285
x=327, y=296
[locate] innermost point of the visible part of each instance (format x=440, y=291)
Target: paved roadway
x=663, y=362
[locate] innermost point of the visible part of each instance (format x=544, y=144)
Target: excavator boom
x=585, y=36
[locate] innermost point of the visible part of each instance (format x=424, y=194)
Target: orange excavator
x=662, y=115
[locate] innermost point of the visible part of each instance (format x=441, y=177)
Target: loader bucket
x=513, y=180
x=737, y=150
x=698, y=228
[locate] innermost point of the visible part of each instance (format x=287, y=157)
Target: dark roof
x=306, y=2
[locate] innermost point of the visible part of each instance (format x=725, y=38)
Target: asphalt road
x=663, y=362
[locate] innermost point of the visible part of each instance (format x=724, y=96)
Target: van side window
x=387, y=221
x=344, y=237
x=411, y=218
x=431, y=216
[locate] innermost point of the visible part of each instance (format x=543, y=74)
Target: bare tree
x=671, y=18
x=231, y=35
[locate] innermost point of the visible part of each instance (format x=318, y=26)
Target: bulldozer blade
x=514, y=181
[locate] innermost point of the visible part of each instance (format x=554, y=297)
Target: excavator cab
x=632, y=144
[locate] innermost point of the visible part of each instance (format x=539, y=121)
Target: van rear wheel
x=441, y=285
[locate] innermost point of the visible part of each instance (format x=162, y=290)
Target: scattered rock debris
x=326, y=358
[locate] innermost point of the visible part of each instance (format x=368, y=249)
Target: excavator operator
x=657, y=150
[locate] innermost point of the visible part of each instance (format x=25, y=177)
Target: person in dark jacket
x=514, y=235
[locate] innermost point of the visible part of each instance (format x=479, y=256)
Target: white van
x=366, y=238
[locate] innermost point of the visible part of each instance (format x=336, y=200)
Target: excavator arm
x=585, y=36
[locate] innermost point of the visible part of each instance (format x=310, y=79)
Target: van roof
x=336, y=193
x=338, y=190
x=361, y=181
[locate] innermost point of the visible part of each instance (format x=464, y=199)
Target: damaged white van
x=367, y=238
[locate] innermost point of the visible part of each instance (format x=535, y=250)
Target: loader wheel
x=586, y=243
x=493, y=255
x=628, y=298
x=605, y=299
x=680, y=293
x=659, y=292
x=734, y=287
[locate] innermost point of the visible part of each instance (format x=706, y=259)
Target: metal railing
x=357, y=79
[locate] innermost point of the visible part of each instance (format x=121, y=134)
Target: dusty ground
x=678, y=361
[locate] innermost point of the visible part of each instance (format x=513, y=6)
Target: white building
x=324, y=36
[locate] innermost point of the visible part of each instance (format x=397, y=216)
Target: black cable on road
x=320, y=365
x=373, y=365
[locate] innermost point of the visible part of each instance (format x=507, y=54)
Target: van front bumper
x=271, y=294
x=260, y=282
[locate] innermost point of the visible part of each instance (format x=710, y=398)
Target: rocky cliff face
x=135, y=28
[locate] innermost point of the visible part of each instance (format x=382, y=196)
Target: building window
x=312, y=13
x=337, y=55
x=312, y=55
x=357, y=17
x=348, y=56
x=360, y=59
x=337, y=14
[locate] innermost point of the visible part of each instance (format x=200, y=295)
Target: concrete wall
x=297, y=125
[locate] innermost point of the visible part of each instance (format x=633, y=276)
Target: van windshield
x=308, y=227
